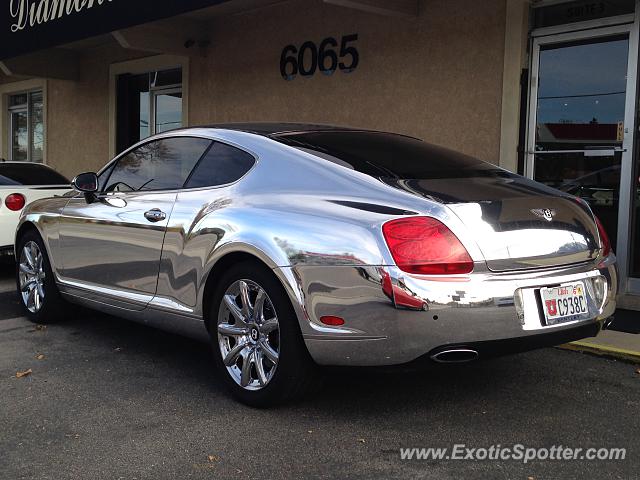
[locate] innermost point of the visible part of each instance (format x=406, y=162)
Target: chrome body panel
x=109, y=247
x=318, y=226
x=507, y=212
x=509, y=242
x=436, y=312
x=186, y=325
x=44, y=215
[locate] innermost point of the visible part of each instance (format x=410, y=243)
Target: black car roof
x=279, y=128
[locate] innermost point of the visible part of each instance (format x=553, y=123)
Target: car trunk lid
x=518, y=224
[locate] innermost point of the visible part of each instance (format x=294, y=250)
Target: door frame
x=539, y=39
x=145, y=65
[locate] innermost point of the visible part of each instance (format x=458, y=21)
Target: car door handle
x=155, y=215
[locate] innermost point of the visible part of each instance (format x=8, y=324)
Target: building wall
x=78, y=114
x=437, y=76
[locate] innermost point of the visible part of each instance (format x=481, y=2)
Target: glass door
x=147, y=103
x=19, y=133
x=26, y=127
x=581, y=121
x=167, y=108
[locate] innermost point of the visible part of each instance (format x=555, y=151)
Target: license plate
x=564, y=303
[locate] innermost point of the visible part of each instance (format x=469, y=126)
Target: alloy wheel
x=32, y=277
x=248, y=334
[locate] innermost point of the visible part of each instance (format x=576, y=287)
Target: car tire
x=294, y=372
x=36, y=287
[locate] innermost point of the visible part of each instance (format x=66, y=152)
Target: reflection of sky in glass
x=168, y=112
x=580, y=83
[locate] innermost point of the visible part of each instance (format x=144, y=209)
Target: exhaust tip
x=455, y=355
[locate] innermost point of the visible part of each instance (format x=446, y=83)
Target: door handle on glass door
x=155, y=215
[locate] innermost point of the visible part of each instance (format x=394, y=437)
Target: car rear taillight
x=424, y=245
x=605, y=243
x=15, y=202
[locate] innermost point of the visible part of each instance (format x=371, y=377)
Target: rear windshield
x=388, y=155
x=29, y=174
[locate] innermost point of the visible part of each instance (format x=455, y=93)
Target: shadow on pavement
x=626, y=321
x=344, y=389
x=9, y=303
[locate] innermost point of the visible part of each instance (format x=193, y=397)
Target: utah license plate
x=564, y=303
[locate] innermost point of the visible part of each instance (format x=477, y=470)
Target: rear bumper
x=393, y=318
x=496, y=348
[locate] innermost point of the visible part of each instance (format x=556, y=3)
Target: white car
x=20, y=184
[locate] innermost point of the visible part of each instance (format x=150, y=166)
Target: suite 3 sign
x=326, y=57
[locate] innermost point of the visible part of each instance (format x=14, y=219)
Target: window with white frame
x=147, y=104
x=26, y=126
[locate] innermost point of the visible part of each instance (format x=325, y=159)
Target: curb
x=603, y=351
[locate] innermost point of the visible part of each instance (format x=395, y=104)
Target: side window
x=221, y=165
x=158, y=165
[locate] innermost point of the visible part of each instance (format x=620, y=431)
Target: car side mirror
x=86, y=183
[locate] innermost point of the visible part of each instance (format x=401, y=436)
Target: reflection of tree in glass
x=161, y=164
x=37, y=129
x=151, y=152
x=138, y=167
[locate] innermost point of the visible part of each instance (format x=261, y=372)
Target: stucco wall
x=437, y=76
x=78, y=114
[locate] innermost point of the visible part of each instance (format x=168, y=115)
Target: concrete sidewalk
x=619, y=345
x=620, y=341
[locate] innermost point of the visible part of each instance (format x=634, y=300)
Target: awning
x=30, y=25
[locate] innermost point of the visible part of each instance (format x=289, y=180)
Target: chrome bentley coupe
x=290, y=246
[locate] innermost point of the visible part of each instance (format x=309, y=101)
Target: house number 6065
x=326, y=57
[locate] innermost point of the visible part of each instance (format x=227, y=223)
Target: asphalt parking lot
x=111, y=399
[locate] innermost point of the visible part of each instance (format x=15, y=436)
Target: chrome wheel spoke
x=29, y=257
x=29, y=285
x=269, y=352
x=40, y=290
x=232, y=356
x=262, y=376
x=269, y=326
x=31, y=302
x=35, y=253
x=230, y=303
x=26, y=269
x=36, y=299
x=244, y=299
x=40, y=264
x=245, y=377
x=258, y=308
x=232, y=330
